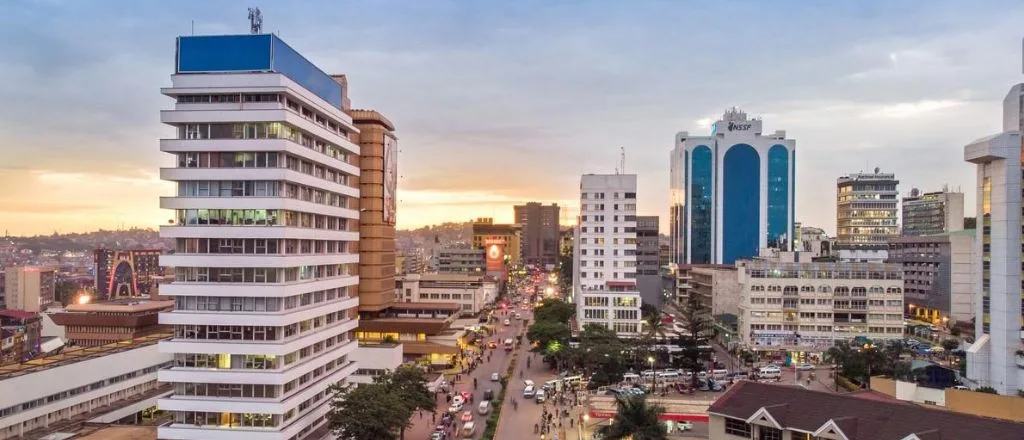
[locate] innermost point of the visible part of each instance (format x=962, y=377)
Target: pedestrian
x=433, y=417
x=421, y=414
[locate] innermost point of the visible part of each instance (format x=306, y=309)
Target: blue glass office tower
x=732, y=192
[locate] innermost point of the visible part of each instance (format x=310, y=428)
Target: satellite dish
x=877, y=170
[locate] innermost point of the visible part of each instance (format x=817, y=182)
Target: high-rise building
x=378, y=180
x=993, y=359
x=938, y=275
x=126, y=273
x=866, y=211
x=29, y=288
x=266, y=228
x=648, y=260
x=933, y=212
x=540, y=232
x=604, y=269
x=732, y=192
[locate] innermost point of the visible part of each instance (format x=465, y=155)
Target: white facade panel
x=244, y=260
x=255, y=145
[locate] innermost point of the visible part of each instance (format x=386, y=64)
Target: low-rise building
x=764, y=411
x=470, y=292
x=459, y=261
x=684, y=281
x=420, y=328
x=105, y=322
x=793, y=308
x=937, y=275
x=374, y=360
x=102, y=384
x=25, y=330
x=718, y=289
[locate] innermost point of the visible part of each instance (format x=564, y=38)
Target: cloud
x=911, y=109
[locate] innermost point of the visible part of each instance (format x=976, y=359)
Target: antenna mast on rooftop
x=622, y=161
x=255, y=21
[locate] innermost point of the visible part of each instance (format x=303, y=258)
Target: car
x=492, y=344
x=508, y=322
x=541, y=396
x=488, y=395
x=456, y=406
x=683, y=425
x=933, y=328
x=467, y=416
x=495, y=377
x=529, y=392
x=805, y=367
x=437, y=435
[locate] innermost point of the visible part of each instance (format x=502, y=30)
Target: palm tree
x=637, y=420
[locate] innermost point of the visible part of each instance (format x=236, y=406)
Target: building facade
x=503, y=244
x=866, y=214
x=107, y=322
x=993, y=360
x=378, y=166
x=718, y=289
x=814, y=241
x=648, y=260
x=126, y=273
x=470, y=292
x=540, y=232
x=605, y=254
x=793, y=308
x=933, y=213
x=30, y=288
x=938, y=275
x=732, y=192
x=267, y=219
x=468, y=261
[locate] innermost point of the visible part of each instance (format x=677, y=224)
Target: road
x=423, y=424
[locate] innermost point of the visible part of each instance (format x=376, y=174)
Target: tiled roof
x=857, y=418
x=17, y=314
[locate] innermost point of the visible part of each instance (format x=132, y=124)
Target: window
x=767, y=433
x=737, y=427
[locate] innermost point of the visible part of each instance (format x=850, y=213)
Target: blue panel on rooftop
x=224, y=53
x=741, y=199
x=299, y=69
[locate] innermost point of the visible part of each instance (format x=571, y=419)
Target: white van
x=541, y=396
x=670, y=375
x=631, y=377
x=770, y=372
x=484, y=407
x=719, y=374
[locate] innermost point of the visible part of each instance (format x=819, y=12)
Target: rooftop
x=120, y=305
x=70, y=356
x=852, y=418
x=17, y=314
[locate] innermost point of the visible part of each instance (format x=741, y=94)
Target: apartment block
x=540, y=232
x=29, y=288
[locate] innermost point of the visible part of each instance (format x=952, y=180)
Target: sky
x=498, y=103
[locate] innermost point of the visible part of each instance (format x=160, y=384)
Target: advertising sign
x=390, y=178
x=495, y=249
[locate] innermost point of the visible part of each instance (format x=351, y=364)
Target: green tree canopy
x=555, y=310
x=636, y=419
x=544, y=332
x=368, y=412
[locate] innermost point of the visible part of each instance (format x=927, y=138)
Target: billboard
x=390, y=178
x=495, y=250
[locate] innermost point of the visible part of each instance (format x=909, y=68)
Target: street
x=423, y=424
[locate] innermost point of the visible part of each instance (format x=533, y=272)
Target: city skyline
x=866, y=89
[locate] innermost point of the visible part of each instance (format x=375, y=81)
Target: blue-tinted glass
x=297, y=68
x=700, y=205
x=741, y=208
x=224, y=53
x=792, y=194
x=778, y=196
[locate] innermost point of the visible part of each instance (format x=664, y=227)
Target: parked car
x=488, y=395
x=495, y=377
x=805, y=367
x=467, y=416
x=683, y=426
x=456, y=406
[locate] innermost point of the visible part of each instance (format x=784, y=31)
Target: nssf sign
x=740, y=126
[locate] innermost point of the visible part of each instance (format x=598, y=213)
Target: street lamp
x=654, y=375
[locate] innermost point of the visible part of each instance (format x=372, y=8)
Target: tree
x=950, y=344
x=600, y=351
x=407, y=384
x=368, y=411
x=697, y=326
x=544, y=332
x=986, y=390
x=555, y=310
x=636, y=419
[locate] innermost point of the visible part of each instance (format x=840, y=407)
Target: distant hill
x=135, y=238
x=434, y=235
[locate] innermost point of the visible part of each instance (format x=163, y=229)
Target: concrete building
x=468, y=261
x=718, y=288
x=378, y=157
x=470, y=292
x=29, y=288
x=503, y=244
x=814, y=242
x=126, y=273
x=937, y=275
x=267, y=217
x=752, y=410
x=375, y=360
x=993, y=360
x=648, y=260
x=410, y=262
x=25, y=332
x=866, y=212
x=3, y=289
x=684, y=280
x=605, y=254
x=793, y=308
x=732, y=192
x=421, y=328
x=933, y=213
x=107, y=322
x=540, y=232
x=102, y=384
